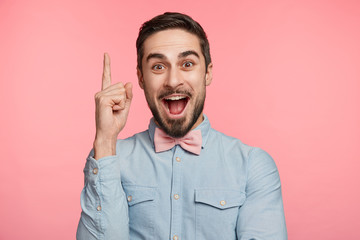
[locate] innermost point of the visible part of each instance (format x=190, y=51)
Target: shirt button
x=95, y=170
x=222, y=202
x=176, y=237
x=129, y=198
x=176, y=196
x=178, y=159
x=98, y=208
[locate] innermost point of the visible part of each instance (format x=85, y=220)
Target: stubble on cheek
x=176, y=128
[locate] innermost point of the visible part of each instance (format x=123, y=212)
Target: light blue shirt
x=229, y=191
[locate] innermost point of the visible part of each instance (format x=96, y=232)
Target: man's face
x=174, y=78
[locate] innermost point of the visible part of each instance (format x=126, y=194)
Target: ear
x=208, y=75
x=140, y=78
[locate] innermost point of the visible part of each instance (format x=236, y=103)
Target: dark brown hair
x=172, y=20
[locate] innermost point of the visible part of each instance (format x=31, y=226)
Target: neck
x=198, y=121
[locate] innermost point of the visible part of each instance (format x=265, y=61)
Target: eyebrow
x=155, y=55
x=187, y=53
x=181, y=55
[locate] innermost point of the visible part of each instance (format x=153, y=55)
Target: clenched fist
x=112, y=109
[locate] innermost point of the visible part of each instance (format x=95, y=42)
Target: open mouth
x=175, y=104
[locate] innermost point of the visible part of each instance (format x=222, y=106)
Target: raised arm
x=104, y=207
x=112, y=109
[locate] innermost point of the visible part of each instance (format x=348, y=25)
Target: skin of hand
x=112, y=106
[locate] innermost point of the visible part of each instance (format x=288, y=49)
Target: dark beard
x=175, y=127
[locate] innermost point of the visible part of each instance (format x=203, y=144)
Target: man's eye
x=158, y=67
x=187, y=64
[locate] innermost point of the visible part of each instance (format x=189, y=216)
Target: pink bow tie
x=190, y=142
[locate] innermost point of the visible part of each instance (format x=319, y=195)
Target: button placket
x=176, y=206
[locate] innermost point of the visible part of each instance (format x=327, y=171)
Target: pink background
x=286, y=79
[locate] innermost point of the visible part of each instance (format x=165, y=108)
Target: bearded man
x=180, y=179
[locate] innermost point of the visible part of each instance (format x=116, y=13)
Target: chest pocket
x=216, y=213
x=141, y=202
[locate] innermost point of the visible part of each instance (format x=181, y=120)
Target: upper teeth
x=175, y=98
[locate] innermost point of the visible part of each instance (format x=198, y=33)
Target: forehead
x=171, y=42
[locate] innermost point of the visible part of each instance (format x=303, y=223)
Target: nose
x=174, y=78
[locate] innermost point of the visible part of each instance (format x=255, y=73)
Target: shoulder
x=229, y=144
x=260, y=168
x=234, y=146
x=128, y=145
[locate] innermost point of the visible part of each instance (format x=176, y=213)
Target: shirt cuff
x=103, y=169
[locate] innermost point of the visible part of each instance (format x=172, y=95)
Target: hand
x=112, y=109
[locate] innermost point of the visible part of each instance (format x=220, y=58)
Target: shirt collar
x=204, y=126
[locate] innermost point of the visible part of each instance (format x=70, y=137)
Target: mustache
x=169, y=92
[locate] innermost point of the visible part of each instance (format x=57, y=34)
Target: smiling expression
x=174, y=79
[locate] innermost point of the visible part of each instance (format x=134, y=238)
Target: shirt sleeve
x=261, y=217
x=104, y=207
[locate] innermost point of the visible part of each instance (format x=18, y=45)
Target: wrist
x=104, y=147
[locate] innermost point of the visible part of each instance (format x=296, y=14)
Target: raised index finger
x=106, y=77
